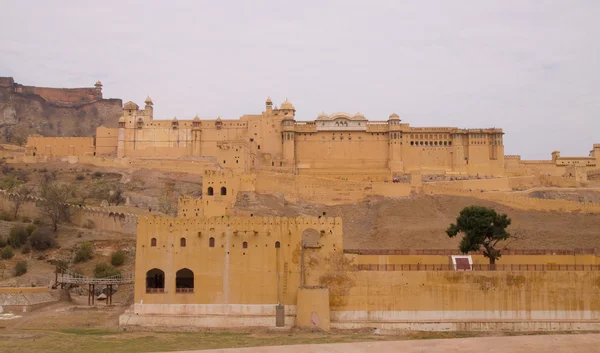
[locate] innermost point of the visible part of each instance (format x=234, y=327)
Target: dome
x=323, y=116
x=98, y=84
x=358, y=116
x=174, y=119
x=122, y=119
x=196, y=118
x=287, y=105
x=148, y=101
x=394, y=116
x=131, y=106
x=269, y=101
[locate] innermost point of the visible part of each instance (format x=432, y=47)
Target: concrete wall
x=26, y=299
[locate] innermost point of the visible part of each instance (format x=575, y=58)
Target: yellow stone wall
x=106, y=141
x=554, y=294
x=60, y=146
x=228, y=272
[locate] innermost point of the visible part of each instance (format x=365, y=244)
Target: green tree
x=105, y=270
x=117, y=258
x=84, y=252
x=17, y=236
x=481, y=227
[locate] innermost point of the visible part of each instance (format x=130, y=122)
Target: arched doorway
x=155, y=281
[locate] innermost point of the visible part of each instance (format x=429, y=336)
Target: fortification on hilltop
x=48, y=111
x=335, y=144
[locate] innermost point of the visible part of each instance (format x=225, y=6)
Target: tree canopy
x=482, y=227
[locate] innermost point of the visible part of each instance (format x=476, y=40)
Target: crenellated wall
x=83, y=216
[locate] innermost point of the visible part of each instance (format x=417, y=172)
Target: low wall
x=26, y=299
x=448, y=300
x=550, y=260
x=206, y=315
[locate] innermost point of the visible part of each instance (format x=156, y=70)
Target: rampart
x=83, y=216
x=63, y=95
x=326, y=191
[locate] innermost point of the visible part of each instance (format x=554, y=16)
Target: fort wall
x=62, y=95
x=61, y=146
x=262, y=253
x=397, y=299
x=84, y=216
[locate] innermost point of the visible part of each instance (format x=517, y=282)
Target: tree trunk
x=492, y=264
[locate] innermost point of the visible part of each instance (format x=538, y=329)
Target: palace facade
x=333, y=144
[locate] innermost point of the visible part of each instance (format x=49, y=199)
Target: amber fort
x=216, y=265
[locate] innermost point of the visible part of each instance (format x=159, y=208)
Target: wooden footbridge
x=62, y=277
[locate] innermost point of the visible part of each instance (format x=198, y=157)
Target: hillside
x=27, y=110
x=419, y=222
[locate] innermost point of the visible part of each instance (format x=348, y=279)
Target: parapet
x=235, y=222
x=8, y=82
x=512, y=156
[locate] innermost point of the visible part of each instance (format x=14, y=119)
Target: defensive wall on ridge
x=83, y=216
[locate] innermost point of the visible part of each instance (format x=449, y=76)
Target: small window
x=258, y=146
x=211, y=242
x=223, y=190
x=277, y=245
x=412, y=143
x=182, y=242
x=210, y=191
x=245, y=245
x=153, y=242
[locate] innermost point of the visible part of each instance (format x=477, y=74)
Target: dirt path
x=579, y=343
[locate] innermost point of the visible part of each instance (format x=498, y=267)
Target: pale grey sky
x=529, y=67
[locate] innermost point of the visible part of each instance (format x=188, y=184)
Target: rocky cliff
x=27, y=110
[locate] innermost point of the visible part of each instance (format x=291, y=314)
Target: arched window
x=184, y=281
x=277, y=245
x=153, y=242
x=211, y=242
x=182, y=242
x=245, y=245
x=210, y=191
x=155, y=281
x=223, y=190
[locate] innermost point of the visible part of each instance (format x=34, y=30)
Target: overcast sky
x=529, y=67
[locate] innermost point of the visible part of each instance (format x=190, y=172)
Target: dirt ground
x=420, y=221
x=526, y=344
x=70, y=327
